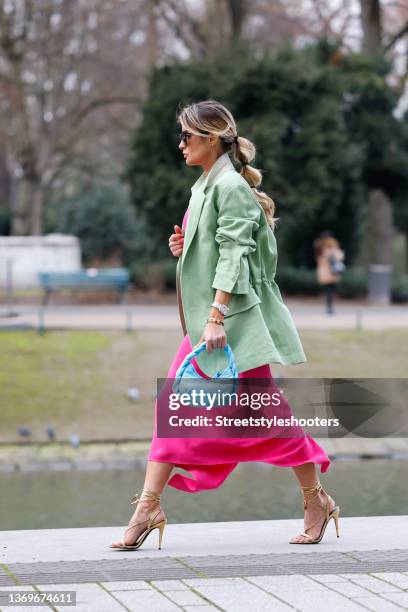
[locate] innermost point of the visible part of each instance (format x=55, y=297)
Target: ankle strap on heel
x=145, y=495
x=316, y=488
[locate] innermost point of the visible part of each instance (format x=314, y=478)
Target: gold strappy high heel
x=153, y=521
x=319, y=506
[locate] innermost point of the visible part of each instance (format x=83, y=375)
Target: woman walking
x=329, y=260
x=226, y=293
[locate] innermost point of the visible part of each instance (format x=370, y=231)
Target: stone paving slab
x=308, y=593
x=377, y=605
x=89, y=598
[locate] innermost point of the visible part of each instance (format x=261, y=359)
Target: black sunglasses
x=185, y=136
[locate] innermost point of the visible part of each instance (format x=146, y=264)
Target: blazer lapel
x=223, y=164
x=196, y=205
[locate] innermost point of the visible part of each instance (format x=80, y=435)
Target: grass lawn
x=77, y=381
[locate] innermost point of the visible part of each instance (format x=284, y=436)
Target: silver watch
x=223, y=309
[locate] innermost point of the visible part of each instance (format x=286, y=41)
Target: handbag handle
x=200, y=349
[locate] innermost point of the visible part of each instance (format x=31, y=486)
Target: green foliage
x=103, y=220
x=325, y=131
x=399, y=287
x=161, y=275
x=401, y=196
x=369, y=109
x=297, y=281
x=158, y=275
x=5, y=221
x=303, y=281
x=353, y=284
x=290, y=107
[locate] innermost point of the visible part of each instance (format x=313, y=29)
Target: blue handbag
x=188, y=379
x=336, y=266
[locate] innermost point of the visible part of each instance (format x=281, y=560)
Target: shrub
x=399, y=287
x=353, y=283
x=159, y=275
x=5, y=221
x=103, y=220
x=295, y=281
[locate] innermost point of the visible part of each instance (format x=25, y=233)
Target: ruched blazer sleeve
x=237, y=223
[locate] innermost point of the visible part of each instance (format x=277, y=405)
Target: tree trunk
x=237, y=12
x=371, y=24
x=217, y=25
x=5, y=182
x=380, y=207
x=36, y=217
x=27, y=212
x=20, y=224
x=152, y=35
x=380, y=248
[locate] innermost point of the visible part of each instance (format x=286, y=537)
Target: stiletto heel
x=335, y=515
x=318, y=509
x=155, y=520
x=161, y=527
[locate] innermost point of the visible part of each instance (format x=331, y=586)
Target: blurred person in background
x=329, y=258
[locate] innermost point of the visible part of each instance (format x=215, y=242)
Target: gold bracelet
x=215, y=320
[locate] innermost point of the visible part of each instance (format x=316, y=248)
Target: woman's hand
x=214, y=336
x=176, y=241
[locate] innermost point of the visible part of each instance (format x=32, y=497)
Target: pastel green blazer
x=229, y=245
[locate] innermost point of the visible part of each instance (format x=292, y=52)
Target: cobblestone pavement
x=380, y=592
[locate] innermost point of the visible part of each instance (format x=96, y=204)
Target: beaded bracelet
x=214, y=320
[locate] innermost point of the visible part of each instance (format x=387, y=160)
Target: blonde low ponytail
x=244, y=153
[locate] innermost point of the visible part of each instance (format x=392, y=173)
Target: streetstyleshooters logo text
x=291, y=408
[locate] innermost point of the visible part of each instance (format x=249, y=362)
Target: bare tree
x=206, y=26
x=58, y=61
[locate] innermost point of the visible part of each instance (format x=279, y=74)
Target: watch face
x=221, y=307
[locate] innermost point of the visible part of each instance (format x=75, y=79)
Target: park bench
x=111, y=278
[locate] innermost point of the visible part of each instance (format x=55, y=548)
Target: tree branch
x=197, y=42
x=80, y=116
x=396, y=37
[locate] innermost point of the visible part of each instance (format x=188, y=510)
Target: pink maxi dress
x=209, y=460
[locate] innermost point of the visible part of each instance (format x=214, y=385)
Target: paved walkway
x=307, y=316
x=216, y=566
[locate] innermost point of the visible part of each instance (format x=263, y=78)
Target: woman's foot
x=319, y=509
x=148, y=515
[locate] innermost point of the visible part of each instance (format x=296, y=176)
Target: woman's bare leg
x=306, y=474
x=157, y=475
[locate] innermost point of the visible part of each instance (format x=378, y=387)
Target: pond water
x=254, y=491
